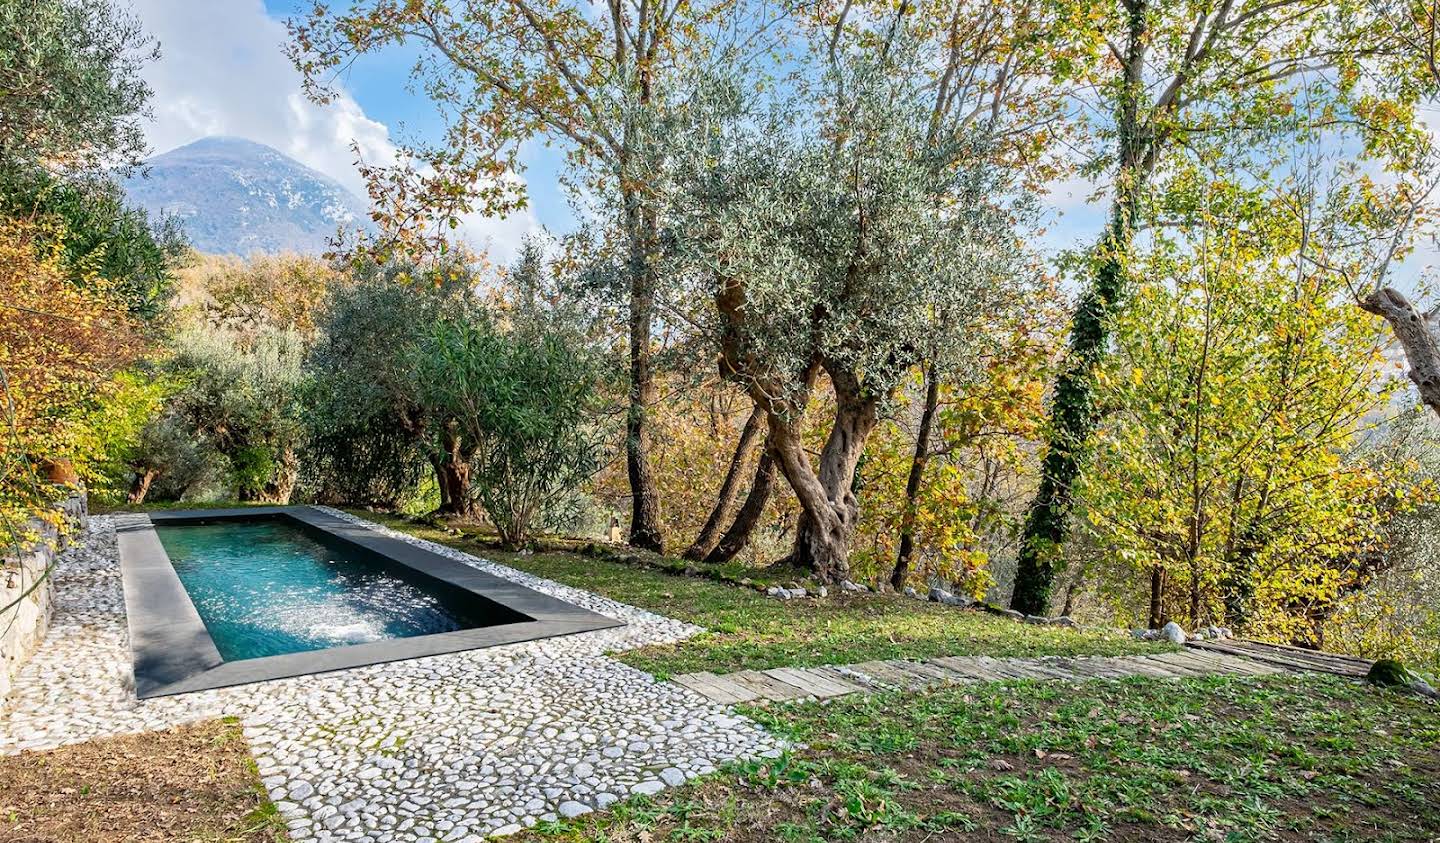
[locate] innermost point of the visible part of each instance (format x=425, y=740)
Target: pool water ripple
x=265, y=588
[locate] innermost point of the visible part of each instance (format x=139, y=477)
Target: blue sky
x=222, y=71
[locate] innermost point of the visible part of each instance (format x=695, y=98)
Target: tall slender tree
x=1176, y=76
x=505, y=71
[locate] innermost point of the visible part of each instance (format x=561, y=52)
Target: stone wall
x=25, y=577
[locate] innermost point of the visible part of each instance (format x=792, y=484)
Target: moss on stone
x=1388, y=673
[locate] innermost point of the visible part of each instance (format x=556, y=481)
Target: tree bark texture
x=750, y=512
x=452, y=471
x=729, y=488
x=906, y=551
x=644, y=498
x=140, y=487
x=1422, y=351
x=827, y=499
x=1157, y=597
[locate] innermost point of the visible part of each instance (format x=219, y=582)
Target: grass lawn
x=1226, y=759
x=192, y=783
x=751, y=631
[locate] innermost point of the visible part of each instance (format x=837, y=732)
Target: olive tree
x=521, y=386
x=241, y=400
x=834, y=236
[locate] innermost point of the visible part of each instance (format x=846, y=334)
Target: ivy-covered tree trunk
x=750, y=513
x=725, y=499
x=1072, y=410
x=912, y=483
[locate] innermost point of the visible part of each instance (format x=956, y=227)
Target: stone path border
x=785, y=683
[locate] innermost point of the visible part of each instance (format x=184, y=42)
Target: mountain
x=235, y=196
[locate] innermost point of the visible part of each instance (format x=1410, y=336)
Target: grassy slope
x=751, y=631
x=1308, y=758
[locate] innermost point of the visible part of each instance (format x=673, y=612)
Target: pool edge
x=172, y=651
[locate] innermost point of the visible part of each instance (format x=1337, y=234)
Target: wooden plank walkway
x=1201, y=658
x=1290, y=658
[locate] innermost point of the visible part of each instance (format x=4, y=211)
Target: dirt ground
x=191, y=783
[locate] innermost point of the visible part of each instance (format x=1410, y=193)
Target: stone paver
x=911, y=675
x=451, y=747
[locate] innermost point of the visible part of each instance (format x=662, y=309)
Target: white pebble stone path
x=453, y=747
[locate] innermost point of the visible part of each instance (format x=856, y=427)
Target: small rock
x=672, y=776
x=1173, y=633
x=797, y=593
x=1037, y=619
x=939, y=595
x=1011, y=613
x=571, y=809
x=911, y=592
x=649, y=787
x=1065, y=620
x=822, y=591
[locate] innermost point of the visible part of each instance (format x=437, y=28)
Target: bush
x=369, y=436
x=521, y=393
x=240, y=400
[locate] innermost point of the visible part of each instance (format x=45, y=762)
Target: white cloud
x=223, y=71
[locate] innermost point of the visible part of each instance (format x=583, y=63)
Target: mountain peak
x=234, y=195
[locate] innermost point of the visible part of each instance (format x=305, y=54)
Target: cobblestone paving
x=451, y=747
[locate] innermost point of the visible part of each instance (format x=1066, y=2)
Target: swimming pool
x=226, y=597
x=267, y=587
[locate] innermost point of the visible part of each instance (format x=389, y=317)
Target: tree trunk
x=729, y=488
x=644, y=499
x=282, y=486
x=453, y=473
x=822, y=537
x=1072, y=409
x=912, y=483
x=1422, y=351
x=748, y=518
x=140, y=487
x=1157, y=597
x=437, y=464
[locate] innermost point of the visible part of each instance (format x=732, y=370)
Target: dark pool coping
x=174, y=654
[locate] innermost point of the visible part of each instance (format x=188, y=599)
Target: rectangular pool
x=264, y=588
x=215, y=598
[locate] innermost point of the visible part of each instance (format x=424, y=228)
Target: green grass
x=748, y=630
x=1287, y=757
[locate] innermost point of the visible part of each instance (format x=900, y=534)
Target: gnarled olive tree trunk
x=140, y=486
x=827, y=499
x=452, y=473
x=1422, y=350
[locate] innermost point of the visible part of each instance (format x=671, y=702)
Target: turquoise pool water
x=264, y=588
